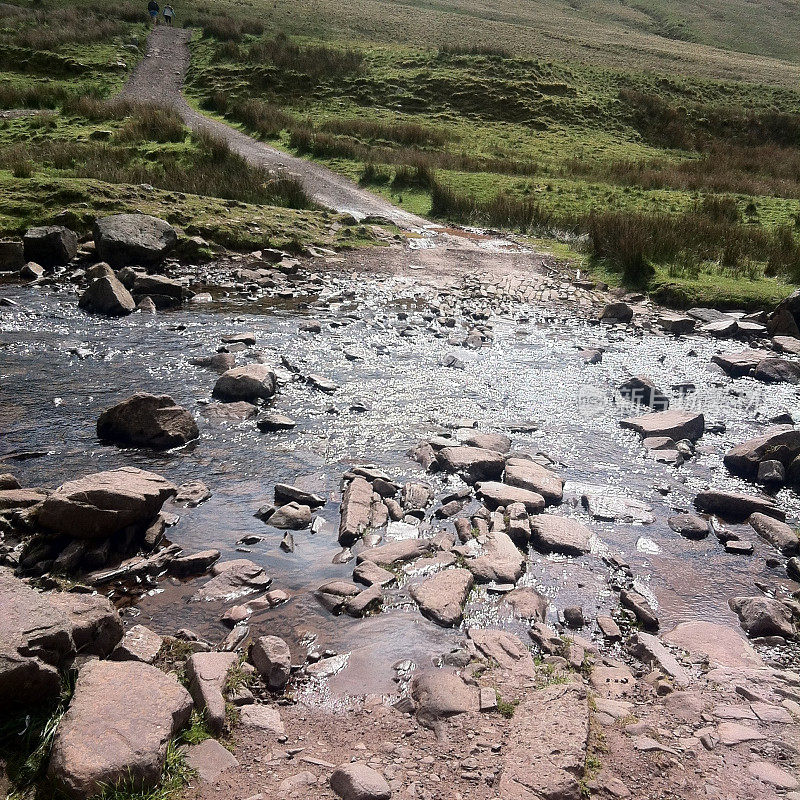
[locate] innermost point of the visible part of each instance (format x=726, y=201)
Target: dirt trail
x=159, y=78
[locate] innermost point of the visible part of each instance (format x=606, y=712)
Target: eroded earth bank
x=440, y=519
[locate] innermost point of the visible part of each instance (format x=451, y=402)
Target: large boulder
x=123, y=239
x=163, y=292
x=763, y=616
x=778, y=445
x=107, y=296
x=97, y=506
x=735, y=506
x=233, y=579
x=252, y=382
x=674, y=424
x=147, y=420
x=35, y=642
x=442, y=597
x=441, y=694
x=117, y=728
x=500, y=561
x=12, y=255
x=50, y=245
x=472, y=463
x=529, y=475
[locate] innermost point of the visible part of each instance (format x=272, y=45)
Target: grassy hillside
x=624, y=122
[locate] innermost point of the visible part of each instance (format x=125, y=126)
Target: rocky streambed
x=357, y=484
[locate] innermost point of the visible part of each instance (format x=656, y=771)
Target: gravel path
x=159, y=78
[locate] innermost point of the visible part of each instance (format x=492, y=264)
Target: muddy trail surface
x=159, y=77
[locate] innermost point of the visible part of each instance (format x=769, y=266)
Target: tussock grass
x=264, y=119
x=316, y=61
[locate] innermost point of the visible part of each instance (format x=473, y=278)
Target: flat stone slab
x=442, y=597
x=265, y=718
x=404, y=550
x=555, y=534
x=138, y=644
x=733, y=733
x=722, y=645
x=674, y=424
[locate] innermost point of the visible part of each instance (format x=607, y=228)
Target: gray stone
x=763, y=616
x=735, y=506
x=123, y=239
x=613, y=313
x=291, y=516
x=194, y=563
x=778, y=444
x=252, y=382
x=232, y=580
x=689, y=525
x=643, y=391
x=633, y=601
x=272, y=422
x=771, y=473
x=107, y=296
x=50, y=245
x=777, y=370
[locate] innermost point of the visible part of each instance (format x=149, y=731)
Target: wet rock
x=674, y=424
x=763, y=616
x=496, y=494
x=207, y=673
x=99, y=270
x=96, y=625
x=107, y=296
x=146, y=306
x=98, y=505
x=533, y=477
x=613, y=313
x=322, y=383
x=123, y=239
x=609, y=628
x=273, y=422
x=442, y=596
x=364, y=602
x=233, y=579
x=248, y=339
x=252, y=382
x=554, y=534
x=573, y=616
x=369, y=573
x=8, y=481
x=777, y=370
x=550, y=731
x=138, y=644
x=31, y=272
x=441, y=694
x=689, y=525
x=50, y=245
x=354, y=781
x=147, y=420
x=643, y=391
x=21, y=498
x=356, y=511
x=334, y=594
x=778, y=445
x=416, y=496
x=527, y=603
x=120, y=720
x=771, y=473
x=425, y=455
x=209, y=760
x=393, y=552
x=641, y=608
x=235, y=411
x=291, y=516
x=735, y=506
x=473, y=464
x=35, y=641
x=192, y=494
x=780, y=535
x=497, y=442
x=739, y=547
x=219, y=362
x=194, y=563
x=272, y=659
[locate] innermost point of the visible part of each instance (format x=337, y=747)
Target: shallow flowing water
x=59, y=368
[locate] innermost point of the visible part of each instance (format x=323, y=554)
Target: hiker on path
x=152, y=10
x=169, y=13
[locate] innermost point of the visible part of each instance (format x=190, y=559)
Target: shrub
x=154, y=124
